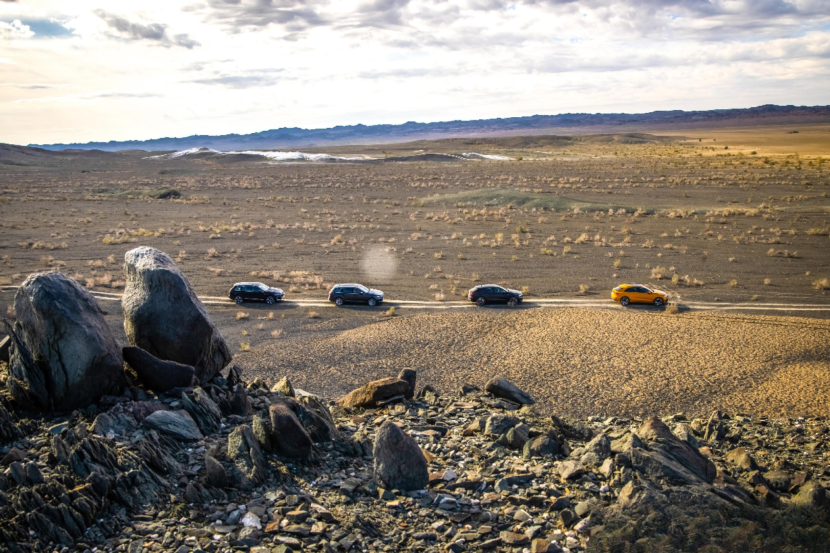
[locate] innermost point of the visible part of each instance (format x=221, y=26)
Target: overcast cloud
x=114, y=70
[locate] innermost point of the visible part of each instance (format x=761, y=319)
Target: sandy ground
x=579, y=362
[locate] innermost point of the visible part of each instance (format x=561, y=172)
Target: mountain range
x=294, y=137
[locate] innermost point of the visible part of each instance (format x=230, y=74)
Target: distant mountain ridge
x=376, y=134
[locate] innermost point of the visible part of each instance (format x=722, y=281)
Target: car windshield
x=498, y=289
x=262, y=286
x=362, y=288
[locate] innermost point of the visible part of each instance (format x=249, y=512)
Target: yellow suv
x=637, y=293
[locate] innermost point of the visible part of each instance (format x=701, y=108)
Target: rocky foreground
x=234, y=466
x=161, y=446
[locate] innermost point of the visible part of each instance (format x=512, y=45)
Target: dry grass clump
x=216, y=271
x=313, y=315
x=244, y=346
x=821, y=284
x=276, y=333
x=211, y=253
x=391, y=312
x=38, y=245
x=767, y=281
x=672, y=309
x=438, y=255
x=583, y=289
x=825, y=231
x=439, y=296
x=733, y=283
x=241, y=315
x=657, y=272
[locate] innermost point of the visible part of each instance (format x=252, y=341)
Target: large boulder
x=376, y=392
x=668, y=457
x=163, y=316
x=289, y=436
x=157, y=374
x=178, y=424
x=63, y=354
x=502, y=388
x=399, y=462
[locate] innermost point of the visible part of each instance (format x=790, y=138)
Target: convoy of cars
x=484, y=294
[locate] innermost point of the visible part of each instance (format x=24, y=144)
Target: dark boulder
x=399, y=462
x=289, y=436
x=541, y=446
x=178, y=424
x=500, y=387
x=63, y=354
x=246, y=454
x=163, y=316
x=156, y=374
x=217, y=476
x=408, y=375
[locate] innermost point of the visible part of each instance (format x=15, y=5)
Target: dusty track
x=580, y=361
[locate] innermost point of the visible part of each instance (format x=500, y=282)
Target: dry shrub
x=438, y=255
x=216, y=271
x=733, y=283
x=241, y=315
x=391, y=312
x=244, y=346
x=822, y=284
x=212, y=253
x=313, y=315
x=276, y=333
x=439, y=296
x=767, y=281
x=584, y=288
x=657, y=273
x=673, y=309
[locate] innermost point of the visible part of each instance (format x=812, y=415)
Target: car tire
x=480, y=302
x=624, y=301
x=270, y=300
x=338, y=302
x=372, y=302
x=512, y=302
x=658, y=302
x=238, y=300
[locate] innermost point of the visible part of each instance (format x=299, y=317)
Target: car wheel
x=270, y=300
x=512, y=302
x=338, y=302
x=658, y=302
x=480, y=302
x=238, y=300
x=373, y=302
x=624, y=301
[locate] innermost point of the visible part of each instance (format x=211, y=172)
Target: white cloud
x=14, y=30
x=221, y=66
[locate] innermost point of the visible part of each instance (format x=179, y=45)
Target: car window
x=261, y=286
x=237, y=288
x=346, y=290
x=634, y=290
x=362, y=289
x=498, y=289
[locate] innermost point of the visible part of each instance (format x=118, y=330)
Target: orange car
x=637, y=293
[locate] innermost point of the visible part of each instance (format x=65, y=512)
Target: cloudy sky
x=85, y=70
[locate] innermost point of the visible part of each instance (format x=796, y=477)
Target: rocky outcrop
x=500, y=387
x=63, y=354
x=375, y=393
x=156, y=374
x=284, y=386
x=203, y=410
x=399, y=462
x=247, y=456
x=163, y=316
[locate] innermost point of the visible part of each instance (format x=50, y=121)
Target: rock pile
x=182, y=472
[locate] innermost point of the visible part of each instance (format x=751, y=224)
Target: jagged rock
x=118, y=425
x=410, y=376
x=60, y=450
x=500, y=387
x=284, y=386
x=540, y=446
x=375, y=392
x=668, y=457
x=63, y=354
x=290, y=437
x=203, y=410
x=811, y=494
x=158, y=452
x=316, y=419
x=515, y=438
x=778, y=479
x=240, y=404
x=498, y=424
x=573, y=429
x=570, y=470
x=178, y=424
x=249, y=461
x=399, y=462
x=157, y=374
x=217, y=476
x=163, y=316
x=9, y=431
x=264, y=433
x=741, y=459
x=596, y=451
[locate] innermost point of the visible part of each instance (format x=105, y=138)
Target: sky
x=99, y=70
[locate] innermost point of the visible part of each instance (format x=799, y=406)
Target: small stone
x=513, y=538
x=500, y=387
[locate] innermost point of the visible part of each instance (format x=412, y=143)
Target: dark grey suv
x=354, y=293
x=255, y=291
x=493, y=293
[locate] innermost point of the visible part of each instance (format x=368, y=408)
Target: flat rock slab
x=178, y=424
x=156, y=374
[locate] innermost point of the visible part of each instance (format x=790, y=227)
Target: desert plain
x=732, y=223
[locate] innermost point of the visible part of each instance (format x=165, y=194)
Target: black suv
x=354, y=293
x=493, y=293
x=255, y=291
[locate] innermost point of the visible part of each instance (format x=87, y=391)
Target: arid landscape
x=733, y=224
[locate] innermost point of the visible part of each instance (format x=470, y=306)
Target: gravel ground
x=578, y=362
